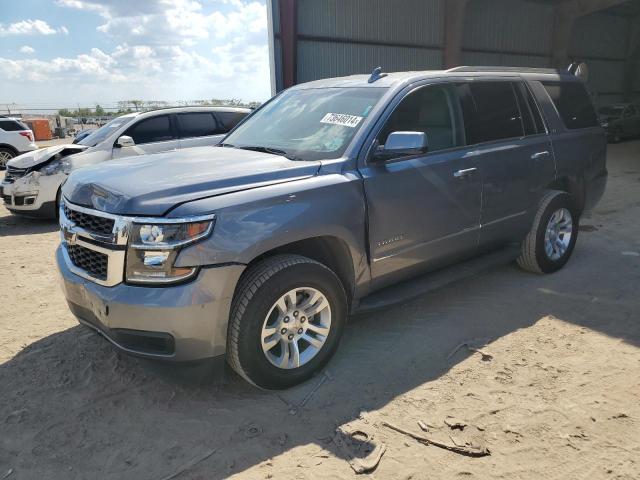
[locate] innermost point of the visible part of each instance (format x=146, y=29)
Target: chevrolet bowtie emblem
x=69, y=237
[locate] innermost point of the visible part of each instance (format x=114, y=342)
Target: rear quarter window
x=573, y=104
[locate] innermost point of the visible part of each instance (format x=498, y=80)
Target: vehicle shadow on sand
x=73, y=407
x=15, y=225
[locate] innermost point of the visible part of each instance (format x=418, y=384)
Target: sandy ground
x=553, y=394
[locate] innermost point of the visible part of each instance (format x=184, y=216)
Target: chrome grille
x=91, y=223
x=91, y=261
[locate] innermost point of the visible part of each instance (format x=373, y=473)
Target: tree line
x=129, y=106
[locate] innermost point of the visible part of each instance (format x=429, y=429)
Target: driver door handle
x=465, y=172
x=539, y=155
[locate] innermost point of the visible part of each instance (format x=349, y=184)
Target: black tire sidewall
x=253, y=361
x=546, y=264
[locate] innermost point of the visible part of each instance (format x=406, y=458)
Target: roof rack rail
x=507, y=69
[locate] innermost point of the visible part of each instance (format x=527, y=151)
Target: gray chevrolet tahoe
x=331, y=194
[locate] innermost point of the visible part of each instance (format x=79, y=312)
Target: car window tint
x=12, y=126
x=230, y=119
x=197, y=124
x=428, y=110
x=493, y=112
x=531, y=118
x=155, y=129
x=525, y=110
x=573, y=104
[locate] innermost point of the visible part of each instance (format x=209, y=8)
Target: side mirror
x=400, y=144
x=125, y=141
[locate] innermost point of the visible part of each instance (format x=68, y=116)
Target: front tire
x=6, y=154
x=550, y=243
x=287, y=318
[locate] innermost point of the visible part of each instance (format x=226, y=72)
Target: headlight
x=57, y=166
x=154, y=247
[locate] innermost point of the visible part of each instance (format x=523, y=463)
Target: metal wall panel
x=504, y=59
x=327, y=59
x=403, y=21
x=598, y=35
x=508, y=25
x=606, y=76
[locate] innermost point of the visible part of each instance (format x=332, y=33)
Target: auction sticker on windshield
x=341, y=119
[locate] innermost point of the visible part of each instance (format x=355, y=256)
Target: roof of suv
x=157, y=111
x=397, y=78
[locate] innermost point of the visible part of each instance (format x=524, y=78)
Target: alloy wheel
x=557, y=237
x=296, y=328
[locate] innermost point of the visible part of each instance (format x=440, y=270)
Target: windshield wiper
x=260, y=148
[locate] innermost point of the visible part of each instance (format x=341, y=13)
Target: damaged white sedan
x=32, y=182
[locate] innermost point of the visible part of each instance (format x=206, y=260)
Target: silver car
x=32, y=183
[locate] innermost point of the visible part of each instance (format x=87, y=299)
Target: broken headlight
x=154, y=247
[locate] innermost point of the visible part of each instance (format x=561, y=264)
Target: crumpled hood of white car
x=37, y=157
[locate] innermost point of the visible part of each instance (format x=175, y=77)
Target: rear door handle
x=539, y=155
x=464, y=172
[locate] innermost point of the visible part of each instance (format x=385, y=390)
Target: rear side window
x=573, y=104
x=155, y=129
x=531, y=119
x=491, y=111
x=230, y=119
x=198, y=124
x=12, y=126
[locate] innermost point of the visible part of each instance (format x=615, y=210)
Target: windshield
x=310, y=124
x=611, y=111
x=103, y=132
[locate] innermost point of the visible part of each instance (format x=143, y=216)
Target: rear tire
x=270, y=342
x=550, y=243
x=6, y=154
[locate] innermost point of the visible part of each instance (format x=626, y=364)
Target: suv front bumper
x=180, y=323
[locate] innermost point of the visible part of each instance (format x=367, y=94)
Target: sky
x=65, y=53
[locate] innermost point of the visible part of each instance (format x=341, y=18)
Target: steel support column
x=454, y=16
x=288, y=39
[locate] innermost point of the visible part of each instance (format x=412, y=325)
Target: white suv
x=32, y=183
x=15, y=138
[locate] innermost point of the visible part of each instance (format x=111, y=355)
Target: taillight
x=28, y=134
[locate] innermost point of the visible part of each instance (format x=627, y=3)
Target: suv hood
x=43, y=155
x=150, y=185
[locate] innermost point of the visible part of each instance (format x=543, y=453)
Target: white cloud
x=27, y=49
x=30, y=27
x=162, y=49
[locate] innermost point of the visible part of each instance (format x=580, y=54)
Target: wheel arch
x=9, y=147
x=331, y=251
x=574, y=186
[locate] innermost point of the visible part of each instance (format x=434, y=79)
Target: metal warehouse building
x=312, y=39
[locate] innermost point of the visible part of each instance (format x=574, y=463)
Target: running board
x=410, y=289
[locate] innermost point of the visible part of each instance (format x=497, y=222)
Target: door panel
x=200, y=141
x=513, y=175
x=423, y=211
x=421, y=216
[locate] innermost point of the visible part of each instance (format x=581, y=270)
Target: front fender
x=253, y=222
